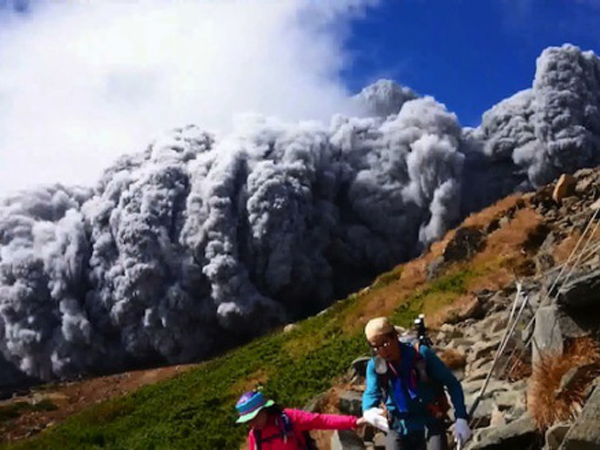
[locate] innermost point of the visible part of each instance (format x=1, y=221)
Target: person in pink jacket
x=275, y=428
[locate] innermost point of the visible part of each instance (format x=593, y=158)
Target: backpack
x=439, y=406
x=286, y=429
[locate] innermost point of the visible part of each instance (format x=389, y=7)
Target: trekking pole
x=421, y=330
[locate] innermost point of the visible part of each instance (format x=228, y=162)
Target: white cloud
x=83, y=82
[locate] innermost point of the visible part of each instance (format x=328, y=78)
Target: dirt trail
x=72, y=397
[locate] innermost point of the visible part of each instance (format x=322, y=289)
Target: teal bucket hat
x=250, y=404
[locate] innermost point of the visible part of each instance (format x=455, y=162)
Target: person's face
x=386, y=346
x=259, y=422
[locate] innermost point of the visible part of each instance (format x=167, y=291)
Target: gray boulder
x=350, y=402
x=358, y=367
x=555, y=435
x=520, y=434
x=581, y=292
x=585, y=433
x=552, y=327
x=346, y=440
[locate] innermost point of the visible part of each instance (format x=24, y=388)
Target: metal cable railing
x=579, y=256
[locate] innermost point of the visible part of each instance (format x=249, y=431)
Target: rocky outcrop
x=346, y=440
x=466, y=242
x=565, y=186
x=519, y=434
x=585, y=433
x=481, y=338
x=496, y=339
x=553, y=327
x=563, y=303
x=583, y=291
x=351, y=402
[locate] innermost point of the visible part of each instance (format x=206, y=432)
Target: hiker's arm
x=372, y=395
x=306, y=421
x=438, y=370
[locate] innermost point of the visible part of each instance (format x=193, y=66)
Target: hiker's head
x=383, y=338
x=261, y=419
x=253, y=409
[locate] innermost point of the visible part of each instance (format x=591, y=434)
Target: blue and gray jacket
x=407, y=399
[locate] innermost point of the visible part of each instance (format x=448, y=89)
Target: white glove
x=375, y=417
x=462, y=432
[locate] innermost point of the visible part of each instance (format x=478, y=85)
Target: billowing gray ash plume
x=197, y=234
x=531, y=138
x=204, y=236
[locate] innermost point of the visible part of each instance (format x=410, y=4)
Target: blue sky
x=468, y=54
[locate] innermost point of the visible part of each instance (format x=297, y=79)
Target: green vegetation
x=440, y=292
x=387, y=278
x=196, y=409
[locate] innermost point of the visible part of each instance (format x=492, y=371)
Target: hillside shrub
x=558, y=383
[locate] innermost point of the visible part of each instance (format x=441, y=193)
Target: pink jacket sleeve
x=306, y=421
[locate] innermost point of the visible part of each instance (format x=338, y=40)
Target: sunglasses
x=384, y=344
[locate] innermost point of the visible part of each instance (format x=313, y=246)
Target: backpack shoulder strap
x=285, y=423
x=257, y=439
x=287, y=429
x=304, y=439
x=439, y=406
x=419, y=364
x=417, y=346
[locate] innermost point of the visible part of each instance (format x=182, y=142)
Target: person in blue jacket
x=410, y=380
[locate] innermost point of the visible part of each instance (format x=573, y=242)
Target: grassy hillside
x=196, y=409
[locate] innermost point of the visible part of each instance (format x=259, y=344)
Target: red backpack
x=286, y=431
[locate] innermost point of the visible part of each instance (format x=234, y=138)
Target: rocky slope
x=507, y=345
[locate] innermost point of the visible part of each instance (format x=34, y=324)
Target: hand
x=375, y=417
x=361, y=421
x=462, y=432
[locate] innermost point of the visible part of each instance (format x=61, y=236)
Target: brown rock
x=497, y=419
x=466, y=242
x=473, y=309
x=564, y=187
